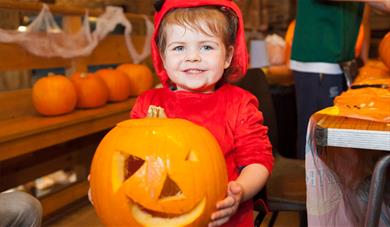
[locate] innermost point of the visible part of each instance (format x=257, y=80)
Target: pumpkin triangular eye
x=170, y=188
x=132, y=164
x=192, y=157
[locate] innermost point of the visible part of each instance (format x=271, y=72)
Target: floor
x=84, y=216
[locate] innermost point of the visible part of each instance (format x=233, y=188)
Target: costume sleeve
x=139, y=110
x=251, y=139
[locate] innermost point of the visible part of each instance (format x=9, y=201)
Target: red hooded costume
x=230, y=113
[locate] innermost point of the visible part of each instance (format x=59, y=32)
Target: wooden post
x=71, y=25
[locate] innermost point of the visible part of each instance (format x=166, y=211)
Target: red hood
x=240, y=56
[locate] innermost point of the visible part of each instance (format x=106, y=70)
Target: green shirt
x=326, y=31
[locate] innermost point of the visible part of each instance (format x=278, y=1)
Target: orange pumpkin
x=384, y=50
x=157, y=172
x=365, y=103
x=141, y=78
x=91, y=90
x=117, y=83
x=54, y=95
x=374, y=72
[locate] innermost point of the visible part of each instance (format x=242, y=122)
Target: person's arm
x=253, y=153
x=250, y=181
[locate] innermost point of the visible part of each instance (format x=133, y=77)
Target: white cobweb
x=43, y=37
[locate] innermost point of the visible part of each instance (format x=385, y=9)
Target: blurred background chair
x=286, y=188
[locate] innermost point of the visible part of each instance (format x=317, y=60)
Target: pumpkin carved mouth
x=154, y=218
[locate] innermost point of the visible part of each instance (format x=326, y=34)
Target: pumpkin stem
x=83, y=75
x=156, y=112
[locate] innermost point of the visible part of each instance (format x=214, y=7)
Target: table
x=354, y=133
x=326, y=183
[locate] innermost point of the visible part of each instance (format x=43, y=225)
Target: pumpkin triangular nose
x=169, y=189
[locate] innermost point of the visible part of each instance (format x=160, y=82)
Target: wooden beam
x=111, y=50
x=59, y=9
x=15, y=57
x=56, y=201
x=72, y=25
x=27, y=131
x=78, y=152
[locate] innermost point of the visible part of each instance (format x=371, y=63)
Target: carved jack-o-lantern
x=157, y=172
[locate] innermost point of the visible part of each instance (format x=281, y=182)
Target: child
x=198, y=46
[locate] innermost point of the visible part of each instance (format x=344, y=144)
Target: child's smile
x=193, y=60
x=194, y=71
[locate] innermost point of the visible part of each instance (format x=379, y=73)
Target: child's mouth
x=194, y=71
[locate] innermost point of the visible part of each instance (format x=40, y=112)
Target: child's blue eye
x=178, y=48
x=207, y=47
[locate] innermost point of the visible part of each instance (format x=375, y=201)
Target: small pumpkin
x=157, y=172
x=384, y=50
x=54, y=95
x=117, y=83
x=141, y=78
x=91, y=90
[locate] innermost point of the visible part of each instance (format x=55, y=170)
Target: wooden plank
x=78, y=152
x=58, y=9
x=29, y=143
x=22, y=127
x=327, y=121
x=72, y=25
x=20, y=105
x=352, y=133
x=31, y=122
x=111, y=50
x=56, y=201
x=14, y=57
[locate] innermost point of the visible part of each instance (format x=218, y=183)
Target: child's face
x=194, y=61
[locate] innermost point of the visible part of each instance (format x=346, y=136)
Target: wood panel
x=58, y=9
x=14, y=57
x=21, y=169
x=351, y=133
x=64, y=197
x=51, y=131
x=326, y=121
x=21, y=104
x=111, y=50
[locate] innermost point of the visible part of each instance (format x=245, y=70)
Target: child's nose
x=193, y=56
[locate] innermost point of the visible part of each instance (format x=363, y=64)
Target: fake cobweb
x=43, y=37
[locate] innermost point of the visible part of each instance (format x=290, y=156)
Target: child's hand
x=227, y=208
